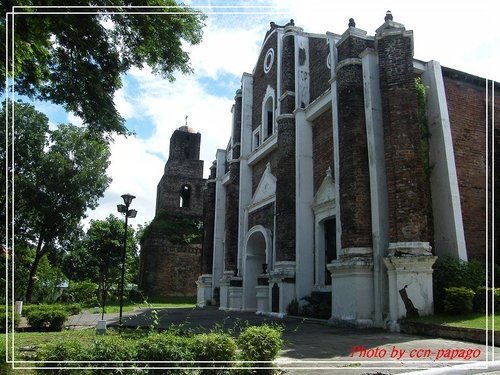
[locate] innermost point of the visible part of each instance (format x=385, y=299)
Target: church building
x=351, y=167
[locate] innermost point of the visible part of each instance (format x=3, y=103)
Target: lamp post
x=123, y=208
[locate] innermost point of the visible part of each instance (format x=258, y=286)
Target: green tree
x=77, y=60
x=66, y=177
x=98, y=257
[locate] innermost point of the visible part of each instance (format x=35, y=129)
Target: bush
x=46, y=317
x=165, y=346
x=319, y=305
x=84, y=292
x=451, y=272
x=113, y=348
x=479, y=301
x=62, y=351
x=17, y=320
x=458, y=300
x=214, y=347
x=260, y=343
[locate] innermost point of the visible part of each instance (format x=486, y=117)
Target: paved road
x=313, y=347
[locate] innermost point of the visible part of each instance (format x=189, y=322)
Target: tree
x=98, y=257
x=67, y=177
x=77, y=60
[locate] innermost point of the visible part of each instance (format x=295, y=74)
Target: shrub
x=83, y=292
x=17, y=320
x=73, y=309
x=293, y=308
x=62, y=351
x=165, y=346
x=479, y=301
x=113, y=348
x=458, y=300
x=319, y=305
x=451, y=272
x=214, y=347
x=43, y=317
x=260, y=343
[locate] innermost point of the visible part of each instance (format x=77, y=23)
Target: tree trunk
x=34, y=266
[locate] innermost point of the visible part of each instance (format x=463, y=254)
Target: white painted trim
x=319, y=106
x=448, y=225
x=225, y=179
x=378, y=181
x=265, y=148
x=255, y=206
x=304, y=218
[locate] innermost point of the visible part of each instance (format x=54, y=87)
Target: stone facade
x=170, y=260
x=331, y=184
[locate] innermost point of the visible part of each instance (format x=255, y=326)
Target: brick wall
x=320, y=72
x=466, y=108
x=407, y=184
x=354, y=179
x=262, y=80
x=232, y=217
x=208, y=227
x=170, y=270
x=285, y=191
x=322, y=134
x=263, y=216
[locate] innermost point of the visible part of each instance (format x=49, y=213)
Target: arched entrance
x=256, y=254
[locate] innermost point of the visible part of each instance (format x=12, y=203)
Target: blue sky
x=462, y=38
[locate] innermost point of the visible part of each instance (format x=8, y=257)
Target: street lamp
x=123, y=208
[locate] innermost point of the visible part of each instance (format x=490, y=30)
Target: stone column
x=406, y=160
x=204, y=282
x=352, y=272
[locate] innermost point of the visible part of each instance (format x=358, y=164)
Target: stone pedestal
x=409, y=269
x=262, y=294
x=225, y=282
x=283, y=275
x=235, y=296
x=352, y=291
x=204, y=290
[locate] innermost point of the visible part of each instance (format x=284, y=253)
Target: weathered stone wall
x=466, y=107
x=168, y=195
x=407, y=185
x=322, y=134
x=232, y=217
x=263, y=216
x=285, y=190
x=170, y=270
x=262, y=79
x=320, y=72
x=259, y=168
x=208, y=227
x=354, y=179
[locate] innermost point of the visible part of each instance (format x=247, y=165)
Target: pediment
x=326, y=192
x=266, y=188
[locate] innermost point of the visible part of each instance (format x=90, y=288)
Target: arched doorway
x=256, y=250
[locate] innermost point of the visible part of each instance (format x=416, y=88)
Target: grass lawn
x=158, y=302
x=474, y=320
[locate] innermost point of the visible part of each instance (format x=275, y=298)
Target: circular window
x=268, y=60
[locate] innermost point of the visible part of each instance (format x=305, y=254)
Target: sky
x=462, y=38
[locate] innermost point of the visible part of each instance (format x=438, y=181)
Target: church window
x=185, y=196
x=268, y=117
x=256, y=139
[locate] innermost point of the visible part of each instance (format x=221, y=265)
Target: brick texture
x=322, y=136
x=354, y=178
x=407, y=184
x=173, y=269
x=262, y=79
x=468, y=128
x=263, y=216
x=285, y=191
x=320, y=72
x=232, y=217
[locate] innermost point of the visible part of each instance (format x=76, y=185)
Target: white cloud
x=134, y=170
x=461, y=38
